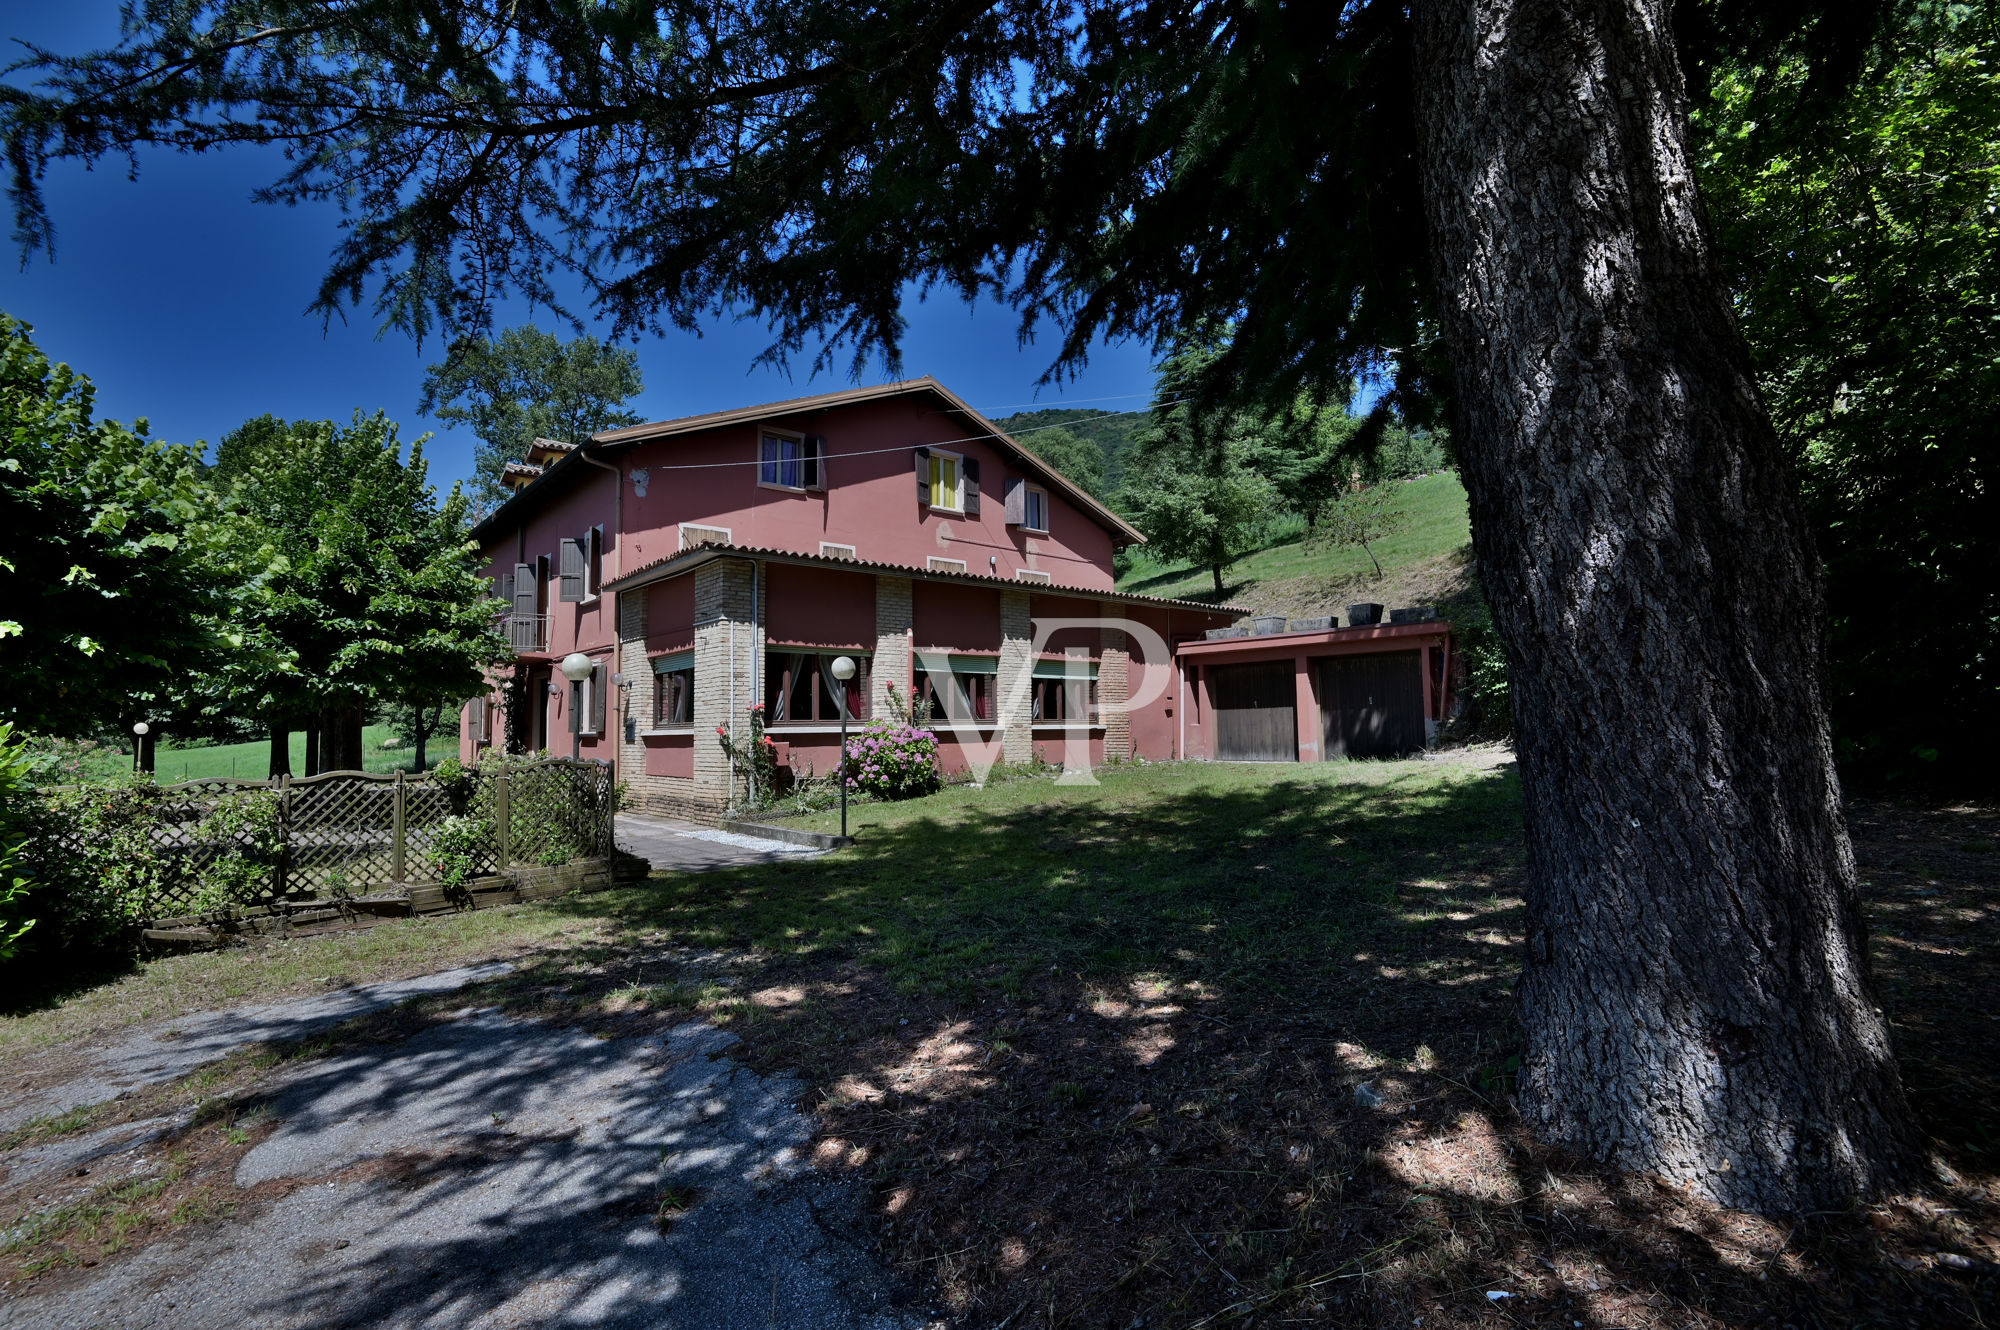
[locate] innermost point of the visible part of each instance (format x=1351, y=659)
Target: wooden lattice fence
x=179, y=850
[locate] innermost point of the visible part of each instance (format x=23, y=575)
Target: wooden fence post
x=502, y=824
x=397, y=844
x=284, y=834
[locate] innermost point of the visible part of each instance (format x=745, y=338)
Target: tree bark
x=340, y=739
x=281, y=750
x=1695, y=990
x=313, y=765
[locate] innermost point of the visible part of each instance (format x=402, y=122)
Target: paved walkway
x=490, y=1171
x=684, y=847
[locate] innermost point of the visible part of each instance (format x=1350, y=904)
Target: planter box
x=1223, y=634
x=1319, y=625
x=1414, y=614
x=1363, y=616
x=1266, y=624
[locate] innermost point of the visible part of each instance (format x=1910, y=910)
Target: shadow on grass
x=1241, y=1051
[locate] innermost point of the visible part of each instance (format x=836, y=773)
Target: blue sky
x=185, y=303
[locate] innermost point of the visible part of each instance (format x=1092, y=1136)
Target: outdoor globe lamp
x=575, y=667
x=843, y=670
x=139, y=731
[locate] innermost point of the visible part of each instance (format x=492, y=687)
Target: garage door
x=1256, y=712
x=1372, y=706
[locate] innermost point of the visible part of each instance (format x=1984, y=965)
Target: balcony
x=526, y=632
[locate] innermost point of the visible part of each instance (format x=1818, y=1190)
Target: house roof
x=982, y=430
x=683, y=561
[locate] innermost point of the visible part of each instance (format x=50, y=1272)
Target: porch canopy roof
x=687, y=560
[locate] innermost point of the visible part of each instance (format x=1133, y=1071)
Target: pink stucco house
x=717, y=561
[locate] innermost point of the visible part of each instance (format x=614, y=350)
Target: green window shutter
x=1058, y=669
x=974, y=665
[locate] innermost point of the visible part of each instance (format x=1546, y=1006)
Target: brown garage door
x=1372, y=706
x=1256, y=712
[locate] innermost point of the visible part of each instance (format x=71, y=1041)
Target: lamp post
x=576, y=667
x=843, y=670
x=139, y=731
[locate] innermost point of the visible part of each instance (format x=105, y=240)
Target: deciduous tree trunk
x=1696, y=991
x=281, y=750
x=340, y=739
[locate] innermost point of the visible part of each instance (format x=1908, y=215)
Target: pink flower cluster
x=892, y=761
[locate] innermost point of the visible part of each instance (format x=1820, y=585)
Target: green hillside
x=1428, y=562
x=1111, y=431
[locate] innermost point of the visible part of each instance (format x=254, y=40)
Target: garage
x=1372, y=705
x=1256, y=712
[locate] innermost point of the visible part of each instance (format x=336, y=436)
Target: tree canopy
x=1863, y=247
x=527, y=384
x=379, y=596
x=124, y=594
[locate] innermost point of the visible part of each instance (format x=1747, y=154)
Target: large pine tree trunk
x=1696, y=992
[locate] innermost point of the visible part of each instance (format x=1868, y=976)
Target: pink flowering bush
x=893, y=759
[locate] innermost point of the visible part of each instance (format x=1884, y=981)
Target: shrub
x=892, y=760
x=15, y=921
x=456, y=846
x=246, y=837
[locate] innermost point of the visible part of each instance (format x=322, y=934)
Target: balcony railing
x=526, y=632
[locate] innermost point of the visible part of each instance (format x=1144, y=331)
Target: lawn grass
x=1437, y=526
x=1209, y=1044
x=250, y=761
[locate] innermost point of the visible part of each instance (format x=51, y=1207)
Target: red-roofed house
x=717, y=561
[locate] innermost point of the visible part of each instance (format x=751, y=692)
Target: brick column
x=1016, y=664
x=894, y=620
x=1114, y=685
x=637, y=694
x=724, y=638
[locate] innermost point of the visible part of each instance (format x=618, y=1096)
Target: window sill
x=936, y=511
x=1057, y=725
x=1027, y=530
x=666, y=731
x=814, y=726
x=784, y=489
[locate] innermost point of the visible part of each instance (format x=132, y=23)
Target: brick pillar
x=637, y=694
x=894, y=620
x=1114, y=685
x=1016, y=664
x=724, y=639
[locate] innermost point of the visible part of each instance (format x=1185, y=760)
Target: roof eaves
x=699, y=554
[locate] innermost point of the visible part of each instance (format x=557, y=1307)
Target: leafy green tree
x=1079, y=460
x=1864, y=251
x=122, y=595
x=528, y=384
x=1356, y=520
x=379, y=596
x=1111, y=431
x=1499, y=199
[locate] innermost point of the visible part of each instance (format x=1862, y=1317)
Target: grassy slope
x=253, y=759
x=1425, y=562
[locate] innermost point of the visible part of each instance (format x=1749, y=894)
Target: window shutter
x=813, y=462
x=507, y=590
x=969, y=483
x=524, y=591
x=924, y=477
x=596, y=582
x=599, y=686
x=571, y=570
x=1017, y=501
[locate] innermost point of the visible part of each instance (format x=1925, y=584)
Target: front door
x=1372, y=706
x=1256, y=712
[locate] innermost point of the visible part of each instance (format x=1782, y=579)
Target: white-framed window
x=1032, y=575
x=673, y=691
x=583, y=696
x=694, y=534
x=799, y=688
x=1035, y=509
x=939, y=564
x=947, y=482
x=832, y=550
x=781, y=460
